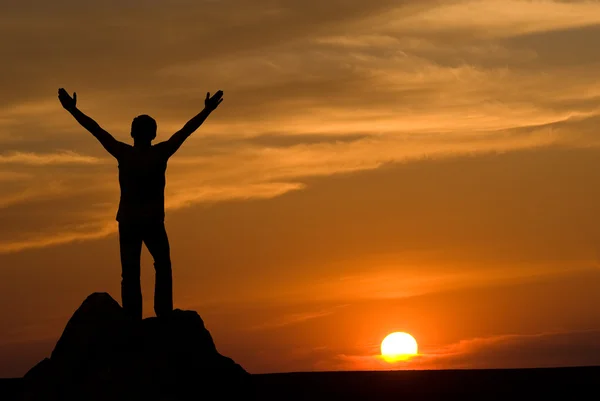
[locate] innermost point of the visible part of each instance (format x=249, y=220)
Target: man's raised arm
x=106, y=139
x=177, y=139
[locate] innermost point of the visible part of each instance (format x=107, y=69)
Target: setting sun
x=398, y=347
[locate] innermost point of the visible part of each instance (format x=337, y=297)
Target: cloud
x=284, y=141
x=296, y=318
x=385, y=282
x=36, y=159
x=542, y=350
x=248, y=172
x=312, y=90
x=493, y=18
x=100, y=223
x=207, y=194
x=6, y=176
x=96, y=231
x=518, y=350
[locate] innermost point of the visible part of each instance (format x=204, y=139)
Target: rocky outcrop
x=103, y=355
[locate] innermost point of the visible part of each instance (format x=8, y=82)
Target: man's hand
x=213, y=102
x=66, y=100
x=177, y=138
x=109, y=143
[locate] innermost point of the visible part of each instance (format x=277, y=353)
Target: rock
x=103, y=355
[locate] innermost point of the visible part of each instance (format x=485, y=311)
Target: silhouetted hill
x=103, y=355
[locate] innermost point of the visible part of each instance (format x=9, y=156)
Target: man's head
x=143, y=128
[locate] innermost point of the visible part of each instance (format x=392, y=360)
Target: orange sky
x=376, y=166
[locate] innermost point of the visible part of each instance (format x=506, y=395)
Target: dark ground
x=516, y=384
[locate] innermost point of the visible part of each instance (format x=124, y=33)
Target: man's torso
x=142, y=182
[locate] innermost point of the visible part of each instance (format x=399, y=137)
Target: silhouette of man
x=141, y=211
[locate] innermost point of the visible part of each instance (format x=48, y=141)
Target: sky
x=376, y=166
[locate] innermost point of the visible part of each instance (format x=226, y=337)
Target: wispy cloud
x=250, y=172
x=296, y=318
x=493, y=18
x=38, y=159
x=379, y=76
x=207, y=194
x=6, y=176
x=553, y=349
x=58, y=238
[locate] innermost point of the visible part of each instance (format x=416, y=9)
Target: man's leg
x=130, y=241
x=155, y=237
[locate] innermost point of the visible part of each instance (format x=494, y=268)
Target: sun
x=398, y=347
